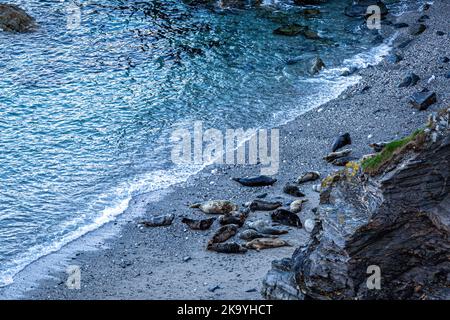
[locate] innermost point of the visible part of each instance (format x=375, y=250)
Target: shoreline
x=149, y=263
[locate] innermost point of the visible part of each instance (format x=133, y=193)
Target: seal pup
x=308, y=176
x=227, y=247
x=251, y=234
x=224, y=233
x=203, y=224
x=264, y=227
x=296, y=206
x=258, y=181
x=293, y=190
x=266, y=243
x=336, y=155
x=341, y=141
x=216, y=206
x=286, y=217
x=237, y=218
x=261, y=205
x=158, y=221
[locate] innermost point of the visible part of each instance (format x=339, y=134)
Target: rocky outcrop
x=14, y=19
x=397, y=220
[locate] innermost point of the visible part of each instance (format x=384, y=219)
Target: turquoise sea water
x=85, y=112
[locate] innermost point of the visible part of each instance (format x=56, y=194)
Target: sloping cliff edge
x=393, y=221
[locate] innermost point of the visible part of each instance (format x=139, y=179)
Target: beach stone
x=445, y=59
x=409, y=81
x=422, y=100
x=316, y=65
x=15, y=19
x=417, y=29
x=290, y=30
x=393, y=58
x=400, y=25
x=440, y=33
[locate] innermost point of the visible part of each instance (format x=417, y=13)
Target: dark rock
x=341, y=141
x=440, y=33
x=409, y=81
x=400, y=25
x=258, y=181
x=445, y=59
x=447, y=75
x=349, y=72
x=212, y=289
x=290, y=30
x=397, y=220
x=422, y=100
x=286, y=217
x=423, y=18
x=393, y=58
x=417, y=29
x=293, y=190
x=15, y=19
x=378, y=146
x=316, y=65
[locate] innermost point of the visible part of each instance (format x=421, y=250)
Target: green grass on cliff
x=371, y=165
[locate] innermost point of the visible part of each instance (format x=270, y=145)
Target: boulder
x=15, y=19
x=422, y=100
x=396, y=221
x=316, y=65
x=409, y=81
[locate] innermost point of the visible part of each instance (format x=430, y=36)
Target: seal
x=266, y=243
x=265, y=228
x=258, y=181
x=296, y=206
x=286, y=217
x=341, y=141
x=216, y=206
x=261, y=205
x=341, y=162
x=308, y=176
x=336, y=155
x=224, y=233
x=228, y=247
x=251, y=234
x=293, y=190
x=203, y=224
x=158, y=221
x=237, y=218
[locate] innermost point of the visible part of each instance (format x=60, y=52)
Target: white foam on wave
x=115, y=203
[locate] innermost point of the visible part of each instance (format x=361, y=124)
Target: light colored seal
x=216, y=206
x=266, y=243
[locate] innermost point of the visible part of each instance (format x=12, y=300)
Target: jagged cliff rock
x=396, y=218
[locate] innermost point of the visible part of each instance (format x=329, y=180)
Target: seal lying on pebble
x=258, y=181
x=296, y=206
x=378, y=146
x=336, y=155
x=251, y=234
x=293, y=190
x=343, y=161
x=228, y=247
x=261, y=205
x=341, y=141
x=198, y=224
x=266, y=243
x=264, y=227
x=158, y=221
x=224, y=233
x=237, y=218
x=216, y=206
x=286, y=217
x=308, y=176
